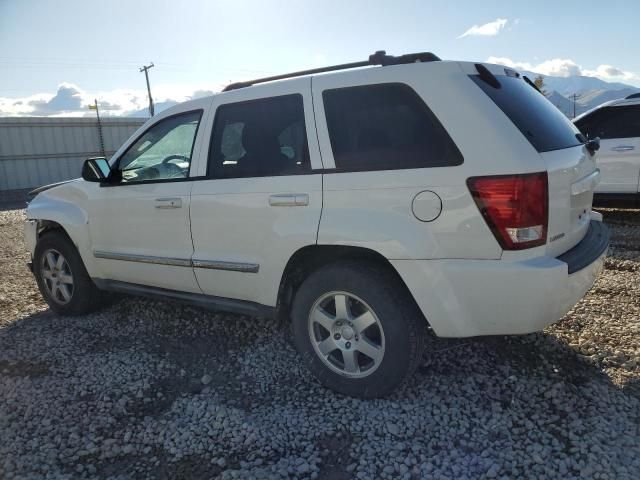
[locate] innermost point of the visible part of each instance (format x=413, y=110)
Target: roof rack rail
x=379, y=58
x=633, y=95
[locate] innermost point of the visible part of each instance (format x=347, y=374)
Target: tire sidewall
x=375, y=290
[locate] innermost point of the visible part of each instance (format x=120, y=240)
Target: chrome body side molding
x=179, y=262
x=127, y=257
x=231, y=266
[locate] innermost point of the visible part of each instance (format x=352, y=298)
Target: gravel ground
x=159, y=390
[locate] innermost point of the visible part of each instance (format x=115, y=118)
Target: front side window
x=612, y=122
x=385, y=127
x=259, y=138
x=163, y=152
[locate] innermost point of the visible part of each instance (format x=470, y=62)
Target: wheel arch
x=310, y=258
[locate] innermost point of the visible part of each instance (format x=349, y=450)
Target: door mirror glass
x=96, y=169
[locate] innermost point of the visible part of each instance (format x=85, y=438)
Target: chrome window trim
x=179, y=262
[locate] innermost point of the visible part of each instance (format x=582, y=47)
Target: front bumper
x=465, y=298
x=30, y=239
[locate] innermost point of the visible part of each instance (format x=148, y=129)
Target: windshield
x=546, y=127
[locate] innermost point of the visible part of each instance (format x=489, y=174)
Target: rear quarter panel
x=373, y=209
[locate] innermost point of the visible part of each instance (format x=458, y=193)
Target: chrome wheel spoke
x=65, y=279
x=323, y=318
x=367, y=348
x=342, y=307
x=350, y=361
x=60, y=263
x=64, y=291
x=51, y=260
x=364, y=321
x=47, y=274
x=327, y=346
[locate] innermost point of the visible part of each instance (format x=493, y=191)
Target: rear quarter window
x=385, y=127
x=546, y=127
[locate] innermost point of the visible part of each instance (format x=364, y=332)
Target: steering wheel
x=174, y=170
x=175, y=157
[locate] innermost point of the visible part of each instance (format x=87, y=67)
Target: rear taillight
x=516, y=207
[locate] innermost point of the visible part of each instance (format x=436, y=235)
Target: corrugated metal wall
x=37, y=151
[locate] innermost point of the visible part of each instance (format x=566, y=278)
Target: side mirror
x=96, y=169
x=593, y=145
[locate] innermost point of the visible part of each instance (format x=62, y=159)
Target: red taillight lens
x=516, y=207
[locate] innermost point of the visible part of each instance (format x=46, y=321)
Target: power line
x=574, y=97
x=145, y=69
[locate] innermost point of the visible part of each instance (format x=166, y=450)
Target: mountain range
x=590, y=92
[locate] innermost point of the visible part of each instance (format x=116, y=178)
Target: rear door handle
x=623, y=148
x=166, y=203
x=289, y=200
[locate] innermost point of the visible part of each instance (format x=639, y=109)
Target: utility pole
x=574, y=97
x=101, y=138
x=145, y=69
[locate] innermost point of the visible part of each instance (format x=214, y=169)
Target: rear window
x=537, y=118
x=385, y=127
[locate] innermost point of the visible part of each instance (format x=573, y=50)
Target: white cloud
x=564, y=67
x=507, y=62
x=71, y=100
x=608, y=72
x=559, y=67
x=490, y=29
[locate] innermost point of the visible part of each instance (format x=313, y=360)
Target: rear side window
x=259, y=138
x=385, y=127
x=612, y=122
x=537, y=118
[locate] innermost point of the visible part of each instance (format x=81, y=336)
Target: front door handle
x=289, y=200
x=166, y=203
x=623, y=148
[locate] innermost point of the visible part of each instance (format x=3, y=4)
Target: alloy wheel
x=346, y=334
x=56, y=276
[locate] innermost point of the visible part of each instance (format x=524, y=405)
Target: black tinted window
x=259, y=138
x=612, y=122
x=384, y=127
x=537, y=118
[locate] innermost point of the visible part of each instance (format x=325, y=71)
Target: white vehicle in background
x=365, y=205
x=617, y=124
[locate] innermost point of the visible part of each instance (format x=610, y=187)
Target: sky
x=55, y=57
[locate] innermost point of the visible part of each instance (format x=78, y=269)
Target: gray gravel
x=147, y=389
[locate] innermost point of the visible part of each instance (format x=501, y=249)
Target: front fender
x=61, y=205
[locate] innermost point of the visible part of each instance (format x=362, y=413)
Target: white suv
x=617, y=124
x=368, y=206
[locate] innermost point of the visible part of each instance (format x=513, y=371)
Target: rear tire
x=358, y=331
x=62, y=278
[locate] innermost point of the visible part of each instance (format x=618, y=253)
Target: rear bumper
x=590, y=248
x=464, y=298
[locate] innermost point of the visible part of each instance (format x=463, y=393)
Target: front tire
x=61, y=276
x=357, y=329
